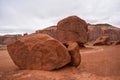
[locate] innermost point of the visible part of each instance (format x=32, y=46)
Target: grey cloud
x=30, y=15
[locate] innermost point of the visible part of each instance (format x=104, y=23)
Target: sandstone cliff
x=51, y=31
x=7, y=39
x=99, y=30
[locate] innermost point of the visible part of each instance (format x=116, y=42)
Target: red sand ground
x=98, y=63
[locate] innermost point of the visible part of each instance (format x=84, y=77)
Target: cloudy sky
x=20, y=16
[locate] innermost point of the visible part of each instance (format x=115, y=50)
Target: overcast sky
x=20, y=16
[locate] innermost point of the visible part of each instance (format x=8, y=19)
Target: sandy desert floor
x=98, y=63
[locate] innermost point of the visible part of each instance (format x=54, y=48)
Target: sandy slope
x=103, y=61
x=6, y=64
x=98, y=63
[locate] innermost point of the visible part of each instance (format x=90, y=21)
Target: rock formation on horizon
x=51, y=31
x=95, y=31
x=98, y=30
x=8, y=39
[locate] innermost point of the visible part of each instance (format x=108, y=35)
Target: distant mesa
x=107, y=25
x=51, y=31
x=98, y=30
x=25, y=34
x=8, y=39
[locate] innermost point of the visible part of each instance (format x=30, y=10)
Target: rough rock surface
x=51, y=31
x=39, y=51
x=103, y=40
x=72, y=29
x=116, y=42
x=74, y=52
x=98, y=30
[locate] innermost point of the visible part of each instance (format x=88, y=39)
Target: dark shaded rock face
x=8, y=39
x=51, y=31
x=25, y=34
x=39, y=51
x=98, y=30
x=74, y=52
x=103, y=40
x=116, y=42
x=72, y=29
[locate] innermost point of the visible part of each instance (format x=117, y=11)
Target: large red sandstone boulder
x=72, y=29
x=74, y=52
x=103, y=40
x=39, y=51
